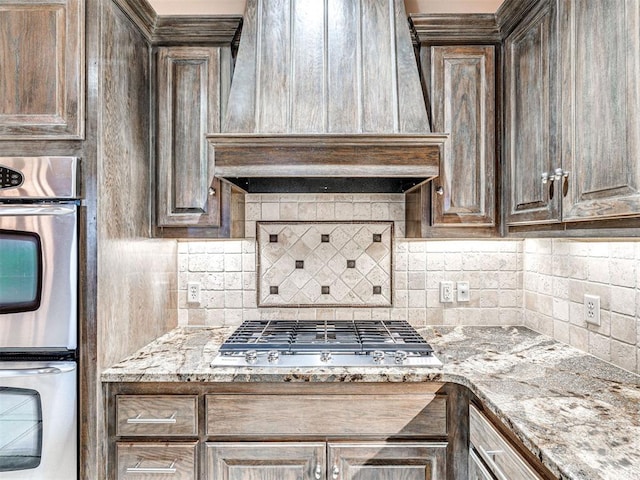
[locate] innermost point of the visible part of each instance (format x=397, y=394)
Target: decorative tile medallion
x=324, y=264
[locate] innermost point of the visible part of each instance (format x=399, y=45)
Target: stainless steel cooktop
x=339, y=343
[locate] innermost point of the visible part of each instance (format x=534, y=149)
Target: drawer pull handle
x=171, y=469
x=489, y=457
x=138, y=420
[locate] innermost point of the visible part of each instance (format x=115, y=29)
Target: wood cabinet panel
x=152, y=415
x=495, y=451
x=193, y=84
x=387, y=461
x=463, y=100
x=279, y=415
x=265, y=461
x=531, y=105
x=601, y=107
x=152, y=461
x=42, y=74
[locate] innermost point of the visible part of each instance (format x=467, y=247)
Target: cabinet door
x=601, y=107
x=501, y=458
x=193, y=84
x=265, y=461
x=463, y=99
x=387, y=461
x=41, y=69
x=530, y=145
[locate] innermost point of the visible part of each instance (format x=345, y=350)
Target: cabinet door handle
x=440, y=190
x=335, y=473
x=488, y=456
x=318, y=472
x=212, y=191
x=171, y=469
x=139, y=420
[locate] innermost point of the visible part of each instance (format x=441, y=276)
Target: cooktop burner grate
x=340, y=336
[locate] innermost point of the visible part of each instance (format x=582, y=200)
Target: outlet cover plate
x=446, y=292
x=463, y=291
x=193, y=293
x=592, y=309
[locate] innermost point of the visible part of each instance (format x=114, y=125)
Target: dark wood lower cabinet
x=333, y=460
x=265, y=461
x=409, y=431
x=477, y=469
x=387, y=461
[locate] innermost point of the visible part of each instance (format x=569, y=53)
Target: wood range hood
x=326, y=97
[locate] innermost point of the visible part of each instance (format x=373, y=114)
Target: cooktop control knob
x=251, y=356
x=325, y=356
x=401, y=357
x=378, y=356
x=273, y=356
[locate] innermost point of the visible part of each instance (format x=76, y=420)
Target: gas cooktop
x=340, y=343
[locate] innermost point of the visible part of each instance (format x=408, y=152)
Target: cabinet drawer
x=408, y=415
x=162, y=415
x=149, y=461
x=498, y=454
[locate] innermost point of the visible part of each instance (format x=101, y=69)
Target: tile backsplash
x=227, y=270
x=557, y=275
x=538, y=283
x=324, y=263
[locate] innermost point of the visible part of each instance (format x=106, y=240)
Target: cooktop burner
x=331, y=343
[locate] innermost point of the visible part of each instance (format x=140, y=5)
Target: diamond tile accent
x=344, y=264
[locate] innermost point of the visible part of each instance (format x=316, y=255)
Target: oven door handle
x=30, y=210
x=22, y=372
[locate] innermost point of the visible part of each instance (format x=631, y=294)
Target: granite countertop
x=578, y=414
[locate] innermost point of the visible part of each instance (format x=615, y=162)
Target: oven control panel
x=10, y=178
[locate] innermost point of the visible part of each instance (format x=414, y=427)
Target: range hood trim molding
x=327, y=155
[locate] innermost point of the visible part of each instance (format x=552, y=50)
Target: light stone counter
x=579, y=415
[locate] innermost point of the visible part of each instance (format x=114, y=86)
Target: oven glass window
x=20, y=429
x=20, y=271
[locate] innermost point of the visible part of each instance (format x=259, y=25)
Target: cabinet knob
x=318, y=473
x=212, y=191
x=335, y=473
x=440, y=190
x=545, y=177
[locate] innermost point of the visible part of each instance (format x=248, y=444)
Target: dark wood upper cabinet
x=572, y=103
x=531, y=104
x=41, y=69
x=193, y=84
x=459, y=75
x=463, y=105
x=600, y=42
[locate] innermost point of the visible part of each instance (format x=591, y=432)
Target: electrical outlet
x=592, y=309
x=463, y=291
x=193, y=292
x=446, y=292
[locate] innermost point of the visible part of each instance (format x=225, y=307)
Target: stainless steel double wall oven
x=38, y=317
